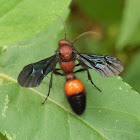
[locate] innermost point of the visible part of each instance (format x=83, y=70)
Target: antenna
x=64, y=25
x=85, y=33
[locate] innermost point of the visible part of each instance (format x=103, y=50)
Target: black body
x=78, y=102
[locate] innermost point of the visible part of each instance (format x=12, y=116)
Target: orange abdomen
x=73, y=86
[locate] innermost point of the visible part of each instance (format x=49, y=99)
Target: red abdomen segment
x=76, y=95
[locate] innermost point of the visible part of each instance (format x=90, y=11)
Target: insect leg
x=50, y=86
x=78, y=64
x=58, y=73
x=89, y=78
x=80, y=70
x=57, y=69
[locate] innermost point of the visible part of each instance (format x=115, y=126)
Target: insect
x=33, y=74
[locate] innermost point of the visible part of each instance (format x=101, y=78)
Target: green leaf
x=6, y=6
x=21, y=19
x=112, y=114
x=130, y=28
x=132, y=74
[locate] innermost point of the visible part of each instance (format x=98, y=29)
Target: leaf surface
x=112, y=114
x=20, y=19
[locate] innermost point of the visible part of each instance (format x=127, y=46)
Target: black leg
x=58, y=73
x=89, y=78
x=57, y=69
x=78, y=64
x=80, y=70
x=50, y=86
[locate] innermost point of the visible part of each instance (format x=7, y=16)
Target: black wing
x=103, y=64
x=33, y=74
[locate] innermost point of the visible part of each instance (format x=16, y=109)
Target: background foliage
x=30, y=31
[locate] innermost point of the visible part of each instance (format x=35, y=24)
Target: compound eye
x=58, y=53
x=73, y=53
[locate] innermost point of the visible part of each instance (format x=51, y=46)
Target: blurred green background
x=118, y=23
